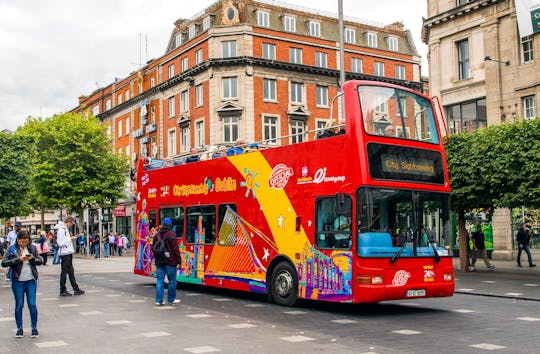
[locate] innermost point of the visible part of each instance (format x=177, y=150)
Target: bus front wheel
x=284, y=284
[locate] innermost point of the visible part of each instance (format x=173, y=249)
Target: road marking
x=68, y=305
x=489, y=281
x=5, y=319
x=114, y=279
x=295, y=312
x=344, y=321
x=91, y=313
x=203, y=349
x=464, y=311
x=487, y=346
x=528, y=319
x=59, y=343
x=297, y=339
x=242, y=325
x=94, y=291
x=465, y=289
x=254, y=305
x=50, y=299
x=155, y=334
x=113, y=295
x=531, y=284
x=199, y=315
x=513, y=294
x=136, y=301
x=221, y=299
x=118, y=322
x=407, y=332
x=129, y=283
x=192, y=294
x=164, y=307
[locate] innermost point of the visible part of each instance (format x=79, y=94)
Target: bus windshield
x=397, y=113
x=395, y=218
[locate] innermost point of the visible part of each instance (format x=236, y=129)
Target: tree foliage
x=73, y=163
x=15, y=173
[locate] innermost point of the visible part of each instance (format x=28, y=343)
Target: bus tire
x=284, y=284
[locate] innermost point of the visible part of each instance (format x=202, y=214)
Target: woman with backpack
x=167, y=258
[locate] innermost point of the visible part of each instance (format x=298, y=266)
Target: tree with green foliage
x=15, y=173
x=491, y=168
x=74, y=165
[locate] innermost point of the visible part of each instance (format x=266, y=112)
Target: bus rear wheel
x=284, y=284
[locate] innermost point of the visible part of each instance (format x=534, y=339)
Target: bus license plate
x=414, y=293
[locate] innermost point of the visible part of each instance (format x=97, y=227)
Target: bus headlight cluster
x=366, y=279
x=448, y=277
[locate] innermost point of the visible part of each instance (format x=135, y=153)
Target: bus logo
x=280, y=176
x=400, y=278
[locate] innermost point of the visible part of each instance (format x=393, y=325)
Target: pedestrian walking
x=96, y=246
x=21, y=259
x=56, y=257
x=522, y=238
x=11, y=239
x=43, y=246
x=168, y=264
x=479, y=248
x=65, y=244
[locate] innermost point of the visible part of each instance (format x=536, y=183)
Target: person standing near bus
x=522, y=239
x=66, y=250
x=169, y=237
x=479, y=248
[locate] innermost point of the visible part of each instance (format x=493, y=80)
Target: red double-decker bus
x=357, y=213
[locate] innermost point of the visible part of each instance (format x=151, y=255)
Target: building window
x=321, y=124
x=269, y=90
x=393, y=44
x=198, y=57
x=126, y=96
x=152, y=81
x=191, y=31
x=462, y=2
x=119, y=128
x=171, y=106
x=378, y=68
x=199, y=95
x=295, y=55
x=230, y=129
x=184, y=101
x=314, y=29
x=228, y=49
x=206, y=23
x=172, y=142
x=270, y=129
x=527, y=49
x=171, y=71
x=152, y=114
x=108, y=104
x=127, y=126
x=380, y=103
x=119, y=99
x=321, y=59
x=199, y=133
x=467, y=116
x=322, y=96
x=269, y=51
x=356, y=65
x=263, y=18
x=463, y=59
x=298, y=128
x=185, y=64
x=400, y=72
x=230, y=87
x=529, y=107
x=350, y=35
x=289, y=23
x=185, y=139
x=178, y=40
x=371, y=39
x=297, y=92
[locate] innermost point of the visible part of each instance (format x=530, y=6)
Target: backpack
x=161, y=253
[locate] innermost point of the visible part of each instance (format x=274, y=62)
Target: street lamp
x=488, y=58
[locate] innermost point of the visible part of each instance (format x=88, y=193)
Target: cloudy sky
x=51, y=52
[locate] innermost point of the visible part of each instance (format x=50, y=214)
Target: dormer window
x=192, y=30
x=263, y=18
x=314, y=29
x=393, y=44
x=178, y=39
x=371, y=39
x=289, y=23
x=206, y=23
x=350, y=35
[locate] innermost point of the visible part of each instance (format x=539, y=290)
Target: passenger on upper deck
x=237, y=149
x=222, y=151
x=193, y=157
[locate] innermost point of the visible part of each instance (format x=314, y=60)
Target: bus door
x=201, y=235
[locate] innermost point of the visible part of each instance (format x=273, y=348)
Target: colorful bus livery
x=359, y=215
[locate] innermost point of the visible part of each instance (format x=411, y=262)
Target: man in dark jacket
x=169, y=237
x=522, y=239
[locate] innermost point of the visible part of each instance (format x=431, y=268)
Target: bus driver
x=343, y=223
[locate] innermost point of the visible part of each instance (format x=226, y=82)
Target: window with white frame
x=192, y=30
x=152, y=114
x=199, y=95
x=464, y=71
x=297, y=92
x=314, y=28
x=269, y=90
x=380, y=102
x=184, y=101
x=269, y=51
x=527, y=49
x=198, y=57
x=529, y=107
x=321, y=59
x=322, y=96
x=178, y=40
x=289, y=23
x=270, y=129
x=356, y=65
x=263, y=18
x=185, y=64
x=199, y=133
x=230, y=87
x=295, y=55
x=119, y=131
x=128, y=151
x=185, y=139
x=298, y=128
x=152, y=81
x=206, y=23
x=393, y=43
x=321, y=124
x=402, y=110
x=230, y=129
x=378, y=68
x=171, y=107
x=400, y=72
x=126, y=95
x=108, y=104
x=119, y=99
x=171, y=71
x=371, y=39
x=228, y=49
x=171, y=146
x=350, y=35
x=127, y=126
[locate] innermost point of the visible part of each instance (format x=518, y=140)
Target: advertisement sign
x=528, y=17
x=120, y=210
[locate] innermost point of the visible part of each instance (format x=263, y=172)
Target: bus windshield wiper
x=429, y=236
x=403, y=244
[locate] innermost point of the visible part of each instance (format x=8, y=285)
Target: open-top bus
x=355, y=215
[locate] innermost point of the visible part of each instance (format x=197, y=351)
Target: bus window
x=207, y=213
x=176, y=214
x=333, y=228
x=153, y=220
x=227, y=224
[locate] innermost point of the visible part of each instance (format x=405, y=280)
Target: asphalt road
x=117, y=315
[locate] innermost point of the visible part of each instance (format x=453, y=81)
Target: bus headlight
x=366, y=279
x=448, y=277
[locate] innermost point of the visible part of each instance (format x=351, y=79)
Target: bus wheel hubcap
x=284, y=284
